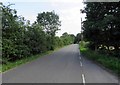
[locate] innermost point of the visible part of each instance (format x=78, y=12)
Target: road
x=63, y=66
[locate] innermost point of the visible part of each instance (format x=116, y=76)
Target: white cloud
x=71, y=19
x=41, y=1
x=74, y=1
x=68, y=11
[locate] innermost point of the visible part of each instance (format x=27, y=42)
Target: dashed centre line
x=80, y=58
x=81, y=64
x=83, y=76
x=83, y=79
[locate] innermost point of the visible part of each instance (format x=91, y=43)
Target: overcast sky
x=68, y=11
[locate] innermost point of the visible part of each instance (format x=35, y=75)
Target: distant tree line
x=20, y=39
x=77, y=38
x=102, y=27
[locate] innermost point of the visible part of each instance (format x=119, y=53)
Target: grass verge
x=109, y=62
x=10, y=65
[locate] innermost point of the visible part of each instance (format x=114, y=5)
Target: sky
x=68, y=11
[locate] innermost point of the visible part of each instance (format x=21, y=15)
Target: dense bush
x=109, y=62
x=21, y=39
x=102, y=26
x=67, y=38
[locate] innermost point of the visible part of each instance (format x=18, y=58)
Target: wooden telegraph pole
x=81, y=31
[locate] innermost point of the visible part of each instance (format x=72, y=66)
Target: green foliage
x=77, y=38
x=49, y=22
x=21, y=40
x=109, y=62
x=35, y=39
x=102, y=25
x=58, y=42
x=67, y=38
x=10, y=65
x=13, y=30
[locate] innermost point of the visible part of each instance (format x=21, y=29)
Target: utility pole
x=81, y=31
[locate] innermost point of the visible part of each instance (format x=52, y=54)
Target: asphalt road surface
x=63, y=66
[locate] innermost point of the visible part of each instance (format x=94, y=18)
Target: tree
x=77, y=38
x=36, y=39
x=50, y=23
x=67, y=38
x=21, y=39
x=58, y=42
x=12, y=34
x=102, y=24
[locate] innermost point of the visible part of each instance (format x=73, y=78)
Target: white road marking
x=83, y=78
x=80, y=58
x=80, y=63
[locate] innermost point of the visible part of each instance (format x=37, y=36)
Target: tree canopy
x=21, y=39
x=49, y=21
x=102, y=26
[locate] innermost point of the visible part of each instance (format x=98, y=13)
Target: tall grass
x=10, y=65
x=109, y=62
